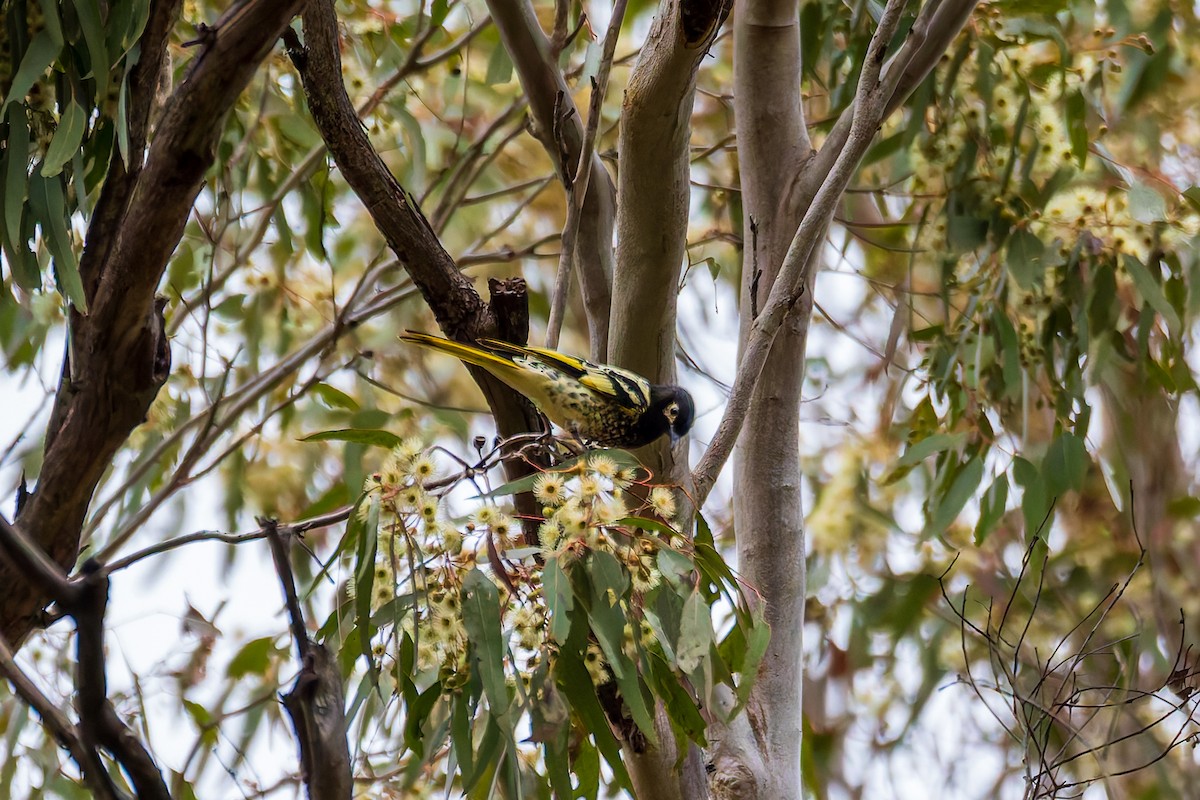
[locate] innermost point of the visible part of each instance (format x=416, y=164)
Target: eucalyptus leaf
x=481, y=617
x=66, y=141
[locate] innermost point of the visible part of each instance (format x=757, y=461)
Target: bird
x=601, y=404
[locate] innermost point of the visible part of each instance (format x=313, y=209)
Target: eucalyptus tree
x=952, y=262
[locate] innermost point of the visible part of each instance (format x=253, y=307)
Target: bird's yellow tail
x=465, y=352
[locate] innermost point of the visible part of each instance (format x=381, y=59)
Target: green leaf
x=1151, y=291
x=367, y=545
x=696, y=635
x=680, y=706
x=93, y=36
x=560, y=601
x=461, y=738
x=16, y=184
x=499, y=68
x=602, y=585
x=1146, y=205
x=992, y=508
x=676, y=568
x=578, y=690
x=199, y=714
x=66, y=140
x=1009, y=348
x=609, y=585
x=964, y=485
x=438, y=12
x=416, y=147
x=253, y=659
x=334, y=398
x=367, y=436
x=1035, y=503
x=417, y=712
x=37, y=59
x=481, y=617
x=487, y=761
x=937, y=443
x=1024, y=258
x=49, y=209
x=1077, y=128
x=1192, y=195
x=51, y=19
x=122, y=120
x=1186, y=507
x=646, y=524
x=965, y=233
x=756, y=649
x=1065, y=464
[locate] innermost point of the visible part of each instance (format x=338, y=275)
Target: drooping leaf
x=374, y=437
x=40, y=54
x=481, y=617
x=66, y=140
x=1065, y=464
x=48, y=207
x=560, y=601
x=964, y=485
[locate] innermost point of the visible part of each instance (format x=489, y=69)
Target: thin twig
x=60, y=727
x=870, y=102
x=577, y=187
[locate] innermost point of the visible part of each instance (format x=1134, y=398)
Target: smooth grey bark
x=652, y=215
x=789, y=197
x=773, y=146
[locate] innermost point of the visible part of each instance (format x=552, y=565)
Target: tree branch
x=870, y=103
x=548, y=94
x=577, y=187
x=458, y=308
x=762, y=760
x=935, y=27
x=60, y=727
x=316, y=702
x=119, y=355
x=652, y=217
x=85, y=600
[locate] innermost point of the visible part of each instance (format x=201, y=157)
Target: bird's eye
x=672, y=412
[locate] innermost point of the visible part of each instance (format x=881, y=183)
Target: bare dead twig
x=1049, y=717
x=60, y=727
x=85, y=600
x=316, y=700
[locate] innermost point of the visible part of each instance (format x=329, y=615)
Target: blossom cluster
x=425, y=553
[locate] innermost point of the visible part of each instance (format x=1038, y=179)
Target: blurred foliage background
x=1001, y=389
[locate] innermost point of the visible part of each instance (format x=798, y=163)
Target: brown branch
x=316, y=701
x=289, y=530
x=460, y=311
x=870, y=103
x=98, y=720
x=118, y=354
x=85, y=599
x=60, y=727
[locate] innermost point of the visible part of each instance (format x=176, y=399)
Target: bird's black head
x=671, y=411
